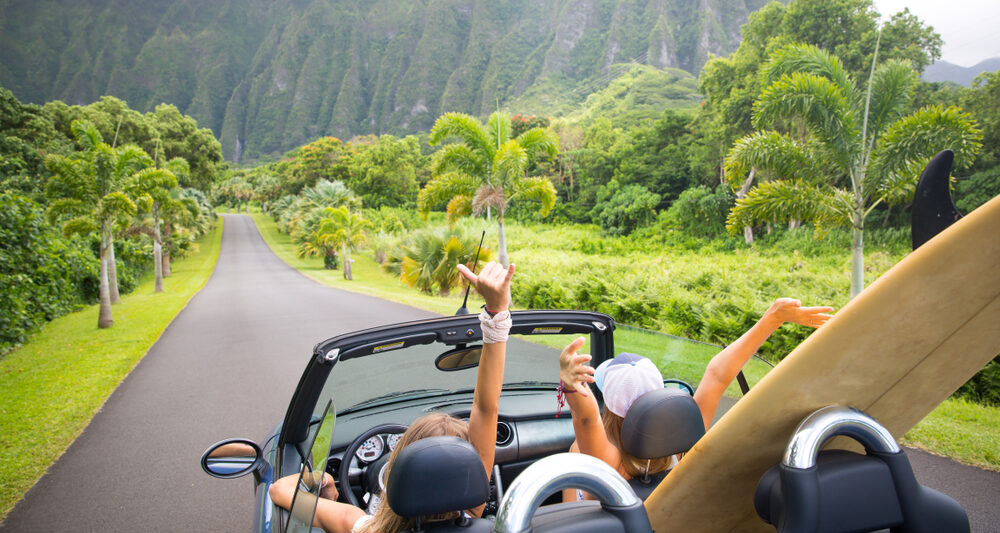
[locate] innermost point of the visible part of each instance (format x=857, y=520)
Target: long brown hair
x=633, y=466
x=431, y=425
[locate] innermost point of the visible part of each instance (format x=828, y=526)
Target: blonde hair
x=432, y=425
x=631, y=465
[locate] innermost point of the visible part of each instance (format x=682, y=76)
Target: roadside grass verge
x=959, y=429
x=369, y=278
x=52, y=387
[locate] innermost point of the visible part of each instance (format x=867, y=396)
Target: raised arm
x=493, y=283
x=588, y=428
x=724, y=367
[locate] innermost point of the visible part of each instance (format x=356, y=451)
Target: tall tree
x=88, y=192
x=857, y=136
x=485, y=170
x=846, y=28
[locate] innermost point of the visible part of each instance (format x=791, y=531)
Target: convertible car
x=360, y=391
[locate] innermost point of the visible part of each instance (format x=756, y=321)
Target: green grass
x=61, y=377
x=962, y=430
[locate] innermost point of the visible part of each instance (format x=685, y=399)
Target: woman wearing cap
x=625, y=378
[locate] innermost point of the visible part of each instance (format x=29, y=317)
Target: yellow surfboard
x=895, y=351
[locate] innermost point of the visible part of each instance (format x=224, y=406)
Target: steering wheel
x=680, y=384
x=343, y=479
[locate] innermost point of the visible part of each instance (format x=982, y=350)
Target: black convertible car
x=361, y=390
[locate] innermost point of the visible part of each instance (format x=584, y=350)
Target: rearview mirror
x=459, y=358
x=231, y=458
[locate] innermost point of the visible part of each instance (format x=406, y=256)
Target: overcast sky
x=970, y=28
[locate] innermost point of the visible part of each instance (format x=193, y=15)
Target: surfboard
x=895, y=351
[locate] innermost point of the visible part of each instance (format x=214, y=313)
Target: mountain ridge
x=944, y=71
x=268, y=76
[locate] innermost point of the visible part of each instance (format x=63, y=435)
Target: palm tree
x=337, y=228
x=429, y=258
x=88, y=191
x=486, y=170
x=860, y=144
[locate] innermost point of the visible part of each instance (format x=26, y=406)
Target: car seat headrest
x=436, y=475
x=661, y=423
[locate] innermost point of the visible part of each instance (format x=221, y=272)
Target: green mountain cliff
x=266, y=76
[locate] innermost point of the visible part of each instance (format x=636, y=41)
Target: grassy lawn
x=962, y=430
x=63, y=375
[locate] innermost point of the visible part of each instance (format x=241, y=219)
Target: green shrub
x=701, y=212
x=977, y=189
x=984, y=387
x=42, y=274
x=620, y=210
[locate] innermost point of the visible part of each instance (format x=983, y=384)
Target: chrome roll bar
x=554, y=473
x=829, y=422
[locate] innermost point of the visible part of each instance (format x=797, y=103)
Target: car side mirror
x=231, y=458
x=459, y=359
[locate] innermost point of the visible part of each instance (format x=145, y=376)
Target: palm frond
x=443, y=188
x=489, y=196
x=910, y=142
x=892, y=89
x=499, y=128
x=776, y=155
x=459, y=206
x=459, y=158
x=781, y=201
x=86, y=134
x=509, y=164
x=539, y=141
x=536, y=188
x=466, y=127
x=79, y=226
x=808, y=59
x=115, y=206
x=824, y=106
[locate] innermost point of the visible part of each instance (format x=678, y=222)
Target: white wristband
x=495, y=328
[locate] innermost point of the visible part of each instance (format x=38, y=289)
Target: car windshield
x=532, y=361
x=409, y=372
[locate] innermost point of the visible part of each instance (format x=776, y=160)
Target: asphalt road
x=226, y=367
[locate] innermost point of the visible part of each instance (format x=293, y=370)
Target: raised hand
x=492, y=283
x=573, y=372
x=791, y=310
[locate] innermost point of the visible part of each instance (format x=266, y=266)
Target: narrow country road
x=226, y=367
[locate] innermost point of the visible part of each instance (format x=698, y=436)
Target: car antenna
x=465, y=310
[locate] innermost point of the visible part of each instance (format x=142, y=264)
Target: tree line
x=92, y=198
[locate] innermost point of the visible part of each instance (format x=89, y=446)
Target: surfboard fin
x=933, y=210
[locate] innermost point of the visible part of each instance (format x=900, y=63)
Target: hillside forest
x=682, y=200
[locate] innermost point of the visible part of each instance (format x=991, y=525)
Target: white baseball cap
x=624, y=379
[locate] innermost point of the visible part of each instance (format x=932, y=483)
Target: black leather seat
x=660, y=423
x=439, y=475
x=835, y=490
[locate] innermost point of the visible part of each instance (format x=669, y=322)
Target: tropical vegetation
x=486, y=171
x=859, y=152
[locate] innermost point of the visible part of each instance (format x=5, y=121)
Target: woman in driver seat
x=625, y=378
x=493, y=283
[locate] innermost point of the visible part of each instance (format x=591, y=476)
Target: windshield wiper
x=393, y=397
